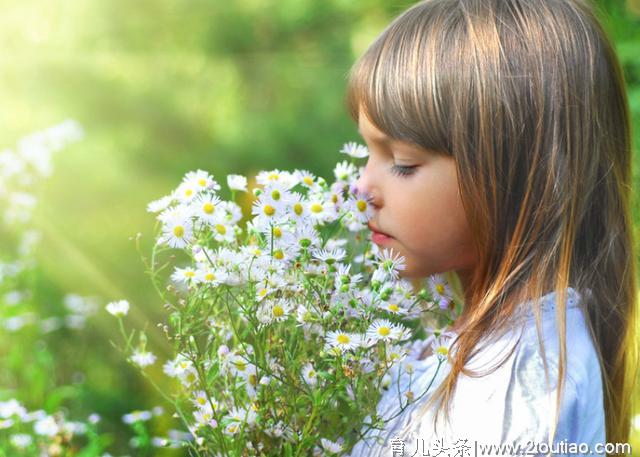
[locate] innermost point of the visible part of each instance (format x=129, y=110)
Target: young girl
x=499, y=141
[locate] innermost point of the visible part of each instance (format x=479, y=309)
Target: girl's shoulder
x=527, y=341
x=517, y=391
x=582, y=358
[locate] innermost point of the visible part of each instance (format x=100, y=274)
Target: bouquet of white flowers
x=285, y=327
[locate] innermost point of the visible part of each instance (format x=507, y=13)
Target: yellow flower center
x=262, y=292
x=277, y=232
x=440, y=288
x=202, y=182
x=334, y=198
x=178, y=231
x=209, y=277
x=278, y=311
x=343, y=339
x=221, y=229
x=312, y=374
x=442, y=350
x=189, y=274
x=308, y=180
x=297, y=208
x=274, y=176
x=361, y=205
x=208, y=208
x=275, y=194
x=202, y=401
x=393, y=307
x=253, y=380
x=384, y=331
x=241, y=366
x=316, y=208
x=278, y=255
x=269, y=210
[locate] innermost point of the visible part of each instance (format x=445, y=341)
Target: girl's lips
x=380, y=238
x=377, y=236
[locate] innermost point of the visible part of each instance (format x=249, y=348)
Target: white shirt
x=511, y=405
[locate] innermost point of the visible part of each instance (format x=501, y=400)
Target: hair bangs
x=403, y=88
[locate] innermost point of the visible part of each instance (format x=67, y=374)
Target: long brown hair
x=529, y=98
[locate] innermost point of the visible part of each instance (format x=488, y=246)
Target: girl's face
x=417, y=203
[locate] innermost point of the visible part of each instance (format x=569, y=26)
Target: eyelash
x=402, y=171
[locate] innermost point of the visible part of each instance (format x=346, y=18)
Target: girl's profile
x=500, y=152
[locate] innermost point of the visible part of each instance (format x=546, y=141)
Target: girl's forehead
x=368, y=130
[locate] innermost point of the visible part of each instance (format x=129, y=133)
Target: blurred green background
x=163, y=87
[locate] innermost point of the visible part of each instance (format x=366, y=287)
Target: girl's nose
x=363, y=189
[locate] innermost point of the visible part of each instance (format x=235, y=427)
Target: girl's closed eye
x=403, y=170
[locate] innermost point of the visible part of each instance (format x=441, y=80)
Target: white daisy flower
x=440, y=290
x=118, y=308
x=335, y=195
x=441, y=344
x=276, y=191
x=279, y=234
x=320, y=210
x=279, y=310
x=329, y=257
x=184, y=275
x=342, y=341
x=201, y=401
x=233, y=212
x=355, y=150
x=204, y=417
x=304, y=316
x=307, y=237
x=143, y=358
x=175, y=367
x=232, y=428
x=211, y=277
x=240, y=366
x=206, y=207
x=267, y=211
x=393, y=307
x=186, y=192
x=309, y=374
x=242, y=415
x=188, y=377
x=297, y=209
x=223, y=232
x=263, y=291
x=237, y=182
x=177, y=230
x=266, y=177
x=330, y=446
x=160, y=204
x=201, y=180
x=391, y=262
x=360, y=207
x=345, y=172
x=384, y=330
x=307, y=179
x=344, y=278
